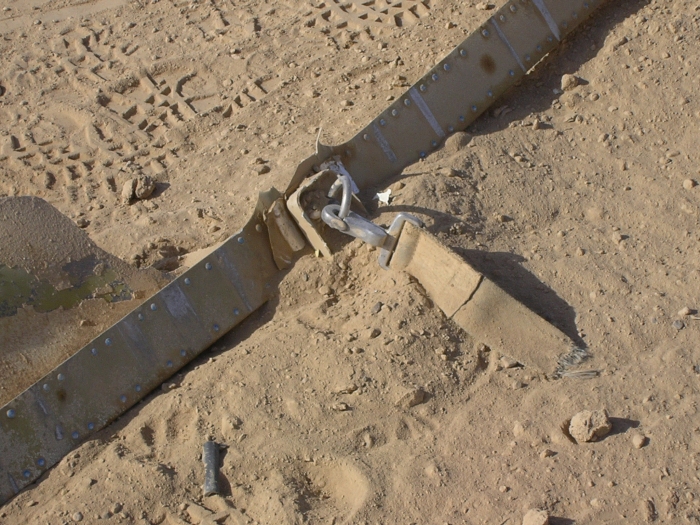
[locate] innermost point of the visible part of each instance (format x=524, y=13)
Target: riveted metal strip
x=133, y=357
x=381, y=140
x=461, y=86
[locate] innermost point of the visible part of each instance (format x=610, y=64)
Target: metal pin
x=474, y=109
x=461, y=118
x=169, y=364
x=527, y=58
x=434, y=143
x=122, y=398
x=502, y=18
x=422, y=154
x=236, y=311
x=539, y=47
x=513, y=9
x=183, y=353
x=450, y=129
x=511, y=73
x=485, y=33
x=549, y=39
x=207, y=266
x=565, y=24
x=27, y=474
x=490, y=94
x=210, y=458
x=59, y=433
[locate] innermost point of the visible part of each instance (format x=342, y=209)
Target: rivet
x=513, y=9
x=549, y=39
x=474, y=109
x=527, y=58
x=241, y=240
x=450, y=129
x=365, y=136
x=11, y=413
x=122, y=398
x=406, y=102
x=258, y=228
x=422, y=87
x=41, y=462
x=446, y=67
x=511, y=73
x=140, y=317
x=27, y=474
x=394, y=112
x=435, y=77
x=93, y=351
x=502, y=18
x=207, y=266
x=461, y=118
x=60, y=377
x=382, y=122
x=169, y=364
x=108, y=341
x=216, y=327
x=137, y=388
x=434, y=143
x=46, y=387
x=463, y=52
x=539, y=47
x=565, y=24
x=585, y=5
x=490, y=94
x=91, y=426
x=575, y=15
x=183, y=353
x=236, y=311
x=485, y=33
x=187, y=281
x=422, y=154
x=75, y=435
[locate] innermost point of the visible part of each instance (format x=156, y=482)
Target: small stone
x=262, y=169
x=678, y=325
x=346, y=103
x=536, y=517
x=502, y=489
x=368, y=440
x=689, y=184
x=518, y=429
x=603, y=137
x=649, y=510
x=683, y=312
x=412, y=398
x=82, y=222
x=503, y=218
x=587, y=426
x=144, y=187
x=117, y=508
x=536, y=124
x=580, y=252
x=569, y=82
x=484, y=6
x=617, y=237
x=78, y=516
x=325, y=290
x=547, y=453
x=516, y=385
x=377, y=308
x=508, y=362
x=340, y=407
x=373, y=333
x=106, y=515
x=128, y=191
x=639, y=440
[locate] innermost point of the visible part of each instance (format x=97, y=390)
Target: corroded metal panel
x=126, y=362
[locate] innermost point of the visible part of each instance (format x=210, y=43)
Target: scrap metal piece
x=479, y=306
x=116, y=370
x=210, y=458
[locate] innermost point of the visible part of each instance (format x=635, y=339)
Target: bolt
x=406, y=102
x=236, y=311
x=75, y=435
x=91, y=426
x=11, y=413
x=241, y=240
x=46, y=387
x=108, y=341
x=382, y=122
x=93, y=352
x=187, y=281
x=216, y=327
x=463, y=52
x=394, y=112
x=27, y=474
x=435, y=77
x=422, y=87
x=137, y=388
x=60, y=377
x=207, y=266
x=446, y=67
x=485, y=33
x=41, y=462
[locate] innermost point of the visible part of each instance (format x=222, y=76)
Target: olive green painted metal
x=116, y=370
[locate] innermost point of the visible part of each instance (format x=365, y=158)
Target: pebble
x=346, y=103
x=508, y=362
x=412, y=398
x=340, y=407
x=580, y=252
x=678, y=325
x=536, y=517
x=78, y=516
x=377, y=308
x=569, y=82
x=587, y=426
x=639, y=440
x=547, y=453
x=373, y=333
x=536, y=124
x=128, y=191
x=683, y=312
x=484, y=6
x=325, y=290
x=144, y=187
x=689, y=184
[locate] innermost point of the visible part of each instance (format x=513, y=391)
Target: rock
x=536, y=517
x=484, y=6
x=649, y=510
x=678, y=325
x=689, y=184
x=128, y=191
x=639, y=440
x=589, y=426
x=547, y=453
x=518, y=429
x=78, y=516
x=684, y=312
x=144, y=187
x=412, y=398
x=569, y=82
x=325, y=290
x=346, y=103
x=340, y=407
x=377, y=308
x=508, y=362
x=373, y=333
x=457, y=141
x=82, y=222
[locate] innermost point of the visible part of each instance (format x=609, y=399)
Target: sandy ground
x=589, y=217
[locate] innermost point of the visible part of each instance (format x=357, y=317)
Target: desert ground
x=580, y=202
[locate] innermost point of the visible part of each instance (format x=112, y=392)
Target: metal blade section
x=116, y=370
x=461, y=87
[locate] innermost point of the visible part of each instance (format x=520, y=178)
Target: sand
x=580, y=202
